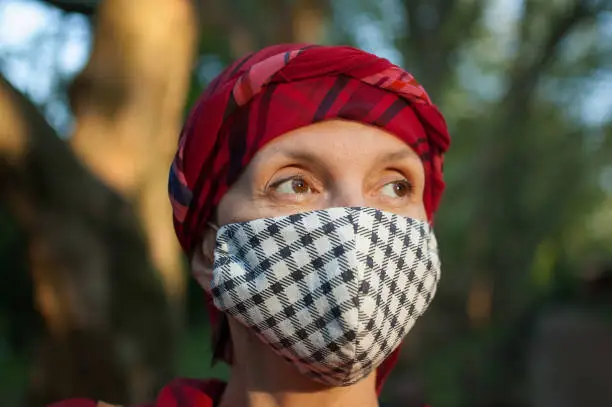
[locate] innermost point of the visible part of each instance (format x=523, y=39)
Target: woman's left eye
x=397, y=189
x=294, y=185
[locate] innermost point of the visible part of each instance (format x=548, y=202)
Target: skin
x=329, y=164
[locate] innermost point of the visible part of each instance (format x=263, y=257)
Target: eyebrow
x=309, y=158
x=388, y=156
x=300, y=155
x=399, y=155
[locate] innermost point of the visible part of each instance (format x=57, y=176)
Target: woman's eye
x=295, y=185
x=397, y=189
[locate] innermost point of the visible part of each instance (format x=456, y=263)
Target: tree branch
x=526, y=75
x=85, y=7
x=88, y=259
x=433, y=39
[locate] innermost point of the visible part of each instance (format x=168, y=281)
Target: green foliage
x=195, y=352
x=19, y=321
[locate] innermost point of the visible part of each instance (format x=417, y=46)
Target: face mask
x=332, y=291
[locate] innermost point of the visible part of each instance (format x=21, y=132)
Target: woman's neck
x=272, y=390
x=260, y=378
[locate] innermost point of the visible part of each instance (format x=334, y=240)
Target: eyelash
x=404, y=181
x=298, y=177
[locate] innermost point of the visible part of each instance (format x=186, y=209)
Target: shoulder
x=177, y=393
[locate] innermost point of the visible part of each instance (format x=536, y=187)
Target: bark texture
x=102, y=252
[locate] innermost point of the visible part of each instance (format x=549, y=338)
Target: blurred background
x=95, y=297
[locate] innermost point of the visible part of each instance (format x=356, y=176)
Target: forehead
x=336, y=140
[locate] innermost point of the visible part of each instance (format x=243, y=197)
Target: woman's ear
x=203, y=259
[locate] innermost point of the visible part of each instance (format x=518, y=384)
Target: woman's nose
x=347, y=195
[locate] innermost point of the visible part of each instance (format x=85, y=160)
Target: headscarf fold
x=281, y=88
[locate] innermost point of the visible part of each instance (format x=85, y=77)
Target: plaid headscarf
x=281, y=88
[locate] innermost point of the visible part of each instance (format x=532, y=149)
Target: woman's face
x=328, y=164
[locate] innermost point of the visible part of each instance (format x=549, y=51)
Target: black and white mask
x=332, y=291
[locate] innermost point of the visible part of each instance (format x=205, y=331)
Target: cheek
x=236, y=207
x=419, y=212
x=417, y=207
x=414, y=210
x=241, y=206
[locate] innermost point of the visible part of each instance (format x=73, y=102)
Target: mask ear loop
x=221, y=338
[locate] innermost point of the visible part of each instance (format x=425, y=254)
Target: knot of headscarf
x=281, y=88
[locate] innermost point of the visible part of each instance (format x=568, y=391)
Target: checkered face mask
x=332, y=291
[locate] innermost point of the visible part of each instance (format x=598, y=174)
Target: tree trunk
x=129, y=104
x=96, y=210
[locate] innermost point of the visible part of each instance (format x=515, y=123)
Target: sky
x=62, y=43
x=22, y=21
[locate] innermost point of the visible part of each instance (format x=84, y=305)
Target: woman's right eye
x=293, y=185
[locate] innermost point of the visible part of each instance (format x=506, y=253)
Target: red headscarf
x=281, y=88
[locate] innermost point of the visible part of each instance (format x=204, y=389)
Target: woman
x=303, y=190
